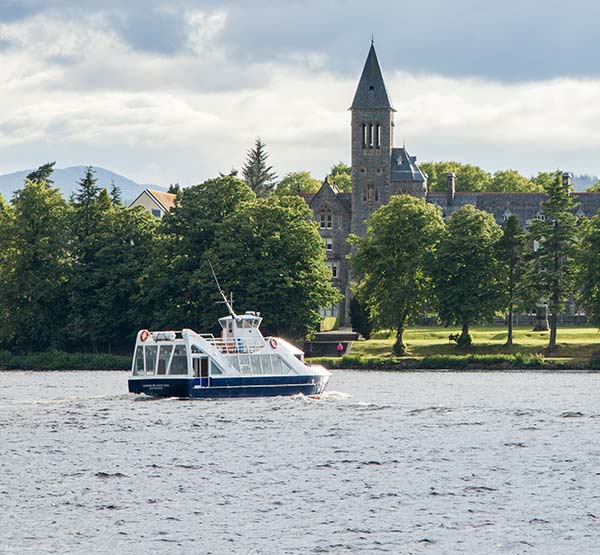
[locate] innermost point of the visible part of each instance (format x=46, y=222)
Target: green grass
x=573, y=342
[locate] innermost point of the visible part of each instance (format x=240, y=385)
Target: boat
x=238, y=363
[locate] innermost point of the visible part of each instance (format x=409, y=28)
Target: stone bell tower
x=372, y=142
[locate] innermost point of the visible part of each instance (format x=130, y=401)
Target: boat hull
x=229, y=387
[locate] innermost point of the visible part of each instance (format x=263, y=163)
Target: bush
x=451, y=362
x=60, y=360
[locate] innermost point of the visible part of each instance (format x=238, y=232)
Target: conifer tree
x=43, y=173
x=511, y=254
x=257, y=174
x=552, y=271
x=116, y=194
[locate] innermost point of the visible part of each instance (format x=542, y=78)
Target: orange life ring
x=273, y=343
x=145, y=334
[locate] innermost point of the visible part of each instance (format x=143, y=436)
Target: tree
x=89, y=221
x=43, y=173
x=511, y=254
x=297, y=182
x=341, y=175
x=392, y=259
x=116, y=195
x=555, y=236
x=174, y=188
x=511, y=181
x=173, y=291
x=468, y=177
x=33, y=292
x=274, y=263
x=465, y=270
x=258, y=175
x=125, y=247
x=594, y=188
x=588, y=275
x=361, y=319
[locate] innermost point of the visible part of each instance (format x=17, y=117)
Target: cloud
x=177, y=91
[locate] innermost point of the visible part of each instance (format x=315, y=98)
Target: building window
x=334, y=266
x=378, y=136
x=156, y=213
x=328, y=242
x=330, y=311
x=364, y=135
x=371, y=137
x=325, y=218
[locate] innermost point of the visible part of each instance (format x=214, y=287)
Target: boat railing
x=234, y=346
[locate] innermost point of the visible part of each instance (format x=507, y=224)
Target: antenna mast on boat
x=222, y=293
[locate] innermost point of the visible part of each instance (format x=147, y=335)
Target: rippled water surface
x=402, y=463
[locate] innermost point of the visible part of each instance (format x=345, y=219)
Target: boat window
x=138, y=363
x=179, y=363
x=244, y=364
x=214, y=369
x=151, y=352
x=267, y=367
x=164, y=354
x=255, y=364
x=277, y=365
x=196, y=349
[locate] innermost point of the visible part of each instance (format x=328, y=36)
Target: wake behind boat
x=240, y=363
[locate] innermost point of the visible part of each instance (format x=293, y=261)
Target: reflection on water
x=382, y=462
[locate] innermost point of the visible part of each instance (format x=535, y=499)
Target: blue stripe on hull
x=259, y=386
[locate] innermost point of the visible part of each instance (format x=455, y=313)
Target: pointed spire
x=371, y=91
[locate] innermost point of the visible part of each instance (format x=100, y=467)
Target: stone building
x=380, y=170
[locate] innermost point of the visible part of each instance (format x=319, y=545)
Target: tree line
x=470, y=269
x=86, y=274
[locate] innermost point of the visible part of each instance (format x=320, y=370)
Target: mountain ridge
x=67, y=181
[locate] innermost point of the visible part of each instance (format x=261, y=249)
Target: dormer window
x=371, y=88
x=325, y=218
x=580, y=213
x=507, y=214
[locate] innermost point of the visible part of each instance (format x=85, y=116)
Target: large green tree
x=466, y=271
x=341, y=175
x=588, y=276
x=259, y=176
x=43, y=173
x=297, y=182
x=173, y=287
x=392, y=259
x=89, y=220
x=125, y=250
x=555, y=237
x=512, y=256
x=269, y=254
x=468, y=177
x=33, y=288
x=511, y=181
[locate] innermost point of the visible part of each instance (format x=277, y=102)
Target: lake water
x=401, y=463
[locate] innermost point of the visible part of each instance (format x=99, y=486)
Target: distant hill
x=66, y=179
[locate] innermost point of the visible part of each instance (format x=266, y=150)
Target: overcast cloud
x=177, y=90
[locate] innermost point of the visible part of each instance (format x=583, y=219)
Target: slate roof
x=371, y=91
x=404, y=166
x=526, y=206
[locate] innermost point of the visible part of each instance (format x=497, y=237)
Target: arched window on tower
x=370, y=137
x=364, y=135
x=325, y=217
x=378, y=136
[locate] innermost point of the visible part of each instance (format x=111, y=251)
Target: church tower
x=372, y=142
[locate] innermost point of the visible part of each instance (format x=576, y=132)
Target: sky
x=177, y=91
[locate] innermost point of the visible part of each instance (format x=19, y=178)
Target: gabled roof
x=404, y=167
x=165, y=200
x=371, y=91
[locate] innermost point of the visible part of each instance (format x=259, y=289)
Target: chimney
x=451, y=187
x=566, y=180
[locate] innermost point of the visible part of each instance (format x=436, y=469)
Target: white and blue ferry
x=239, y=363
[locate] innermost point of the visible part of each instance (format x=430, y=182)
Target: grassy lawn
x=573, y=342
